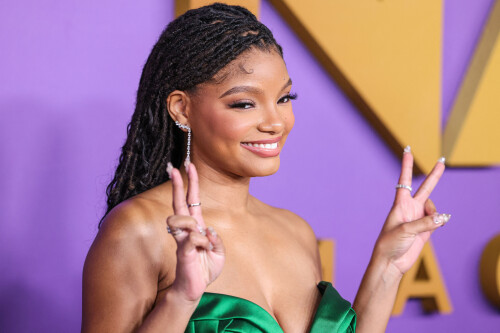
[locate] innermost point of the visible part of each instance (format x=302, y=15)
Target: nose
x=272, y=121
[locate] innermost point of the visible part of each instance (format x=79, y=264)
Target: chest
x=274, y=271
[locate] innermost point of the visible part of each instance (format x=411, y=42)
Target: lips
x=263, y=148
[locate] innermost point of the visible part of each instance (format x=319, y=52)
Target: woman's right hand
x=200, y=252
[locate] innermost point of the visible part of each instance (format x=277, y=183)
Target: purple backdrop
x=69, y=71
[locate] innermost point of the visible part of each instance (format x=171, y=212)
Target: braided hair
x=191, y=50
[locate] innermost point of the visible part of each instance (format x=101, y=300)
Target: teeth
x=262, y=145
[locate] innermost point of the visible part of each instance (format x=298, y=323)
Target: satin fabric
x=218, y=313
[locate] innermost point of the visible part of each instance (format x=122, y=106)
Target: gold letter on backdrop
x=472, y=134
x=489, y=271
x=326, y=253
x=423, y=281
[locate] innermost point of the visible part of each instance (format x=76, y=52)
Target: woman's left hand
x=411, y=220
x=409, y=225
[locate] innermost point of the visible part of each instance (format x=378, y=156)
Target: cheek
x=289, y=120
x=228, y=126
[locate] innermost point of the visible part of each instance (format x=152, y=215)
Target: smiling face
x=240, y=122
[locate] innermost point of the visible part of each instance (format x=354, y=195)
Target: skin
x=137, y=277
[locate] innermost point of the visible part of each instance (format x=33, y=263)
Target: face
x=240, y=123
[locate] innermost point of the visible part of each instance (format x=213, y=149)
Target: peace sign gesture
x=412, y=219
x=200, y=252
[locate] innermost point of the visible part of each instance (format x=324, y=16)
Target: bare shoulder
x=137, y=223
x=129, y=255
x=135, y=219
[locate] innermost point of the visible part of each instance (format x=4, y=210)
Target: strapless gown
x=218, y=313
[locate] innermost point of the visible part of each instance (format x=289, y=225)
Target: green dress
x=224, y=313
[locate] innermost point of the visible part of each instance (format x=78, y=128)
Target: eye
x=242, y=105
x=287, y=98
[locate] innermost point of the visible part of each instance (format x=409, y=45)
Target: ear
x=178, y=106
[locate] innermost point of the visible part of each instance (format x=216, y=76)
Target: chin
x=265, y=169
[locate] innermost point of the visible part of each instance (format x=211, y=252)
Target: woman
x=215, y=92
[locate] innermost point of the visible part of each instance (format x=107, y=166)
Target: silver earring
x=188, y=154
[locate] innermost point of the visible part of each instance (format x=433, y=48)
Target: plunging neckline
x=217, y=312
x=244, y=300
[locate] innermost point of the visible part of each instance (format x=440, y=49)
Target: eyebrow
x=249, y=89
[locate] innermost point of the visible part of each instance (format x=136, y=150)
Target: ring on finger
x=404, y=186
x=174, y=231
x=194, y=204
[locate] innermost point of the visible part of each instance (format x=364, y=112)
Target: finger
x=193, y=194
x=428, y=223
x=218, y=246
x=178, y=199
x=430, y=182
x=194, y=241
x=183, y=222
x=406, y=175
x=429, y=207
x=180, y=226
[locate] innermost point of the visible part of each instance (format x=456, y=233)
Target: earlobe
x=177, y=106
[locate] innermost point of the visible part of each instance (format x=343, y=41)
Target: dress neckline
x=245, y=301
x=216, y=312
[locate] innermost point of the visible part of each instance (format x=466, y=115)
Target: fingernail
x=442, y=159
x=170, y=167
x=186, y=165
x=212, y=232
x=174, y=231
x=437, y=218
x=407, y=149
x=441, y=218
x=211, y=247
x=201, y=230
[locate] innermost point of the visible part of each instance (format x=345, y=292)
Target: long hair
x=191, y=50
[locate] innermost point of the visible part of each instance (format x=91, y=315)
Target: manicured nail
x=212, y=232
x=170, y=167
x=407, y=149
x=442, y=159
x=174, y=231
x=186, y=165
x=211, y=247
x=201, y=230
x=441, y=218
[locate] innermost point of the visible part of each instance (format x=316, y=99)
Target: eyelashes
x=289, y=97
x=247, y=104
x=241, y=105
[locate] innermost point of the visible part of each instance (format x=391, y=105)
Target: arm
x=121, y=272
x=120, y=280
x=409, y=225
x=375, y=297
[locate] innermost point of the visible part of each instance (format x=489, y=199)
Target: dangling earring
x=188, y=154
